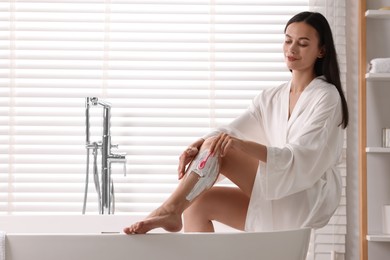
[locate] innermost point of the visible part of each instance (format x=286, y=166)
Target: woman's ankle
x=169, y=208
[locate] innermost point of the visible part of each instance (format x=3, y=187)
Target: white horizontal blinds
x=332, y=237
x=171, y=69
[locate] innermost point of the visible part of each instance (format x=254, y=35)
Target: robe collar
x=299, y=106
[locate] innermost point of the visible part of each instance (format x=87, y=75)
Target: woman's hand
x=187, y=156
x=223, y=143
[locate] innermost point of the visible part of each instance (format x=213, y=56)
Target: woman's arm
x=224, y=142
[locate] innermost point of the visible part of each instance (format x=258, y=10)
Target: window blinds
x=172, y=70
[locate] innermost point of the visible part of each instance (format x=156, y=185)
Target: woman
x=281, y=153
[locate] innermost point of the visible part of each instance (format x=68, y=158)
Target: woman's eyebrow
x=301, y=38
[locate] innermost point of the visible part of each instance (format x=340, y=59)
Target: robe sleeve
x=247, y=126
x=308, y=155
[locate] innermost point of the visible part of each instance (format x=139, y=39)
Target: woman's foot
x=160, y=218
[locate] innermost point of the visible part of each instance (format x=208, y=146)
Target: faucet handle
x=94, y=100
x=119, y=158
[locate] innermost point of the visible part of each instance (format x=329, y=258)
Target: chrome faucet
x=105, y=190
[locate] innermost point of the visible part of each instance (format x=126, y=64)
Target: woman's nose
x=293, y=49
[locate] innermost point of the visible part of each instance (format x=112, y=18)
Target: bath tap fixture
x=105, y=186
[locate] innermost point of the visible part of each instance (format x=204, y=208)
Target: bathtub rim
x=193, y=246
x=78, y=224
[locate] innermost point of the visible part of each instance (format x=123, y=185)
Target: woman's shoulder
x=272, y=91
x=270, y=95
x=325, y=90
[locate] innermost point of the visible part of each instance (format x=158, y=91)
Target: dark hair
x=326, y=66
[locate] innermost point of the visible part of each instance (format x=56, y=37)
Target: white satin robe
x=299, y=186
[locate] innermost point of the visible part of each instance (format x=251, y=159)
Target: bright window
x=172, y=70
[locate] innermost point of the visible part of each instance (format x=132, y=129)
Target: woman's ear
x=321, y=54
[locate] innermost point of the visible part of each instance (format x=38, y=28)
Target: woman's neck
x=300, y=81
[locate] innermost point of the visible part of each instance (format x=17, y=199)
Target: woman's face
x=301, y=47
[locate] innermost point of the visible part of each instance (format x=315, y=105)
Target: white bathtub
x=100, y=238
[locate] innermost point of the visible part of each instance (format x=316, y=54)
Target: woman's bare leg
x=168, y=215
x=227, y=205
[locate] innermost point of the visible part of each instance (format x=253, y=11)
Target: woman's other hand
x=187, y=156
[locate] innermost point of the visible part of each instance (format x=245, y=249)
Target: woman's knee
x=240, y=168
x=207, y=143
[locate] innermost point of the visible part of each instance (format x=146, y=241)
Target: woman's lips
x=290, y=58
